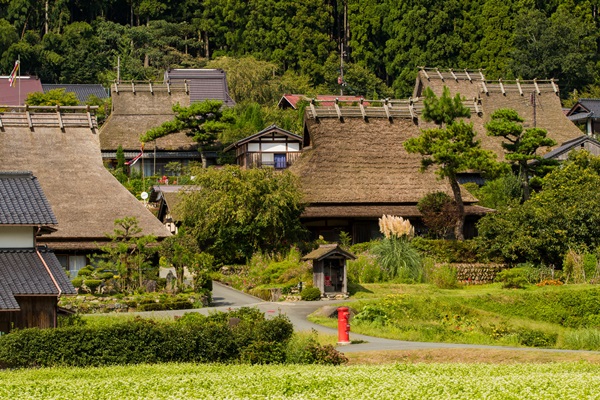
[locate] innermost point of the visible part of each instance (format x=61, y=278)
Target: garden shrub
x=85, y=271
x=92, y=284
x=513, y=278
x=192, y=338
x=359, y=248
x=364, y=269
x=260, y=352
x=444, y=276
x=302, y=349
x=449, y=251
x=310, y=294
x=77, y=282
x=536, y=338
x=325, y=354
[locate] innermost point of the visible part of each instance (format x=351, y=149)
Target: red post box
x=343, y=326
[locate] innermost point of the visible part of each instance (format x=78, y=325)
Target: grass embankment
x=395, y=381
x=564, y=317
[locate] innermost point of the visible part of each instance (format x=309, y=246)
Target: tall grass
x=582, y=339
x=399, y=259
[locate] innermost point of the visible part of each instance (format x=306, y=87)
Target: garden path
x=226, y=298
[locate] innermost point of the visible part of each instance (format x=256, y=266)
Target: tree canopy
x=564, y=215
x=451, y=148
x=383, y=43
x=521, y=144
x=237, y=212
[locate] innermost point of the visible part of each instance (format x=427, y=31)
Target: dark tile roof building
x=23, y=201
x=204, y=84
x=82, y=91
x=31, y=279
x=23, y=272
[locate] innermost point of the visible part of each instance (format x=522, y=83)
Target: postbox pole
x=343, y=326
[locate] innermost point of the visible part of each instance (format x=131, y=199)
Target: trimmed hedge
x=222, y=337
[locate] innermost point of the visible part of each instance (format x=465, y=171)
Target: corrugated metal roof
x=82, y=91
x=16, y=95
x=23, y=201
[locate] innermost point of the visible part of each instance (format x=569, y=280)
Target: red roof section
x=9, y=96
x=325, y=100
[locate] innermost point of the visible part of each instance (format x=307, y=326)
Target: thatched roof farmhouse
x=354, y=167
x=139, y=106
x=62, y=150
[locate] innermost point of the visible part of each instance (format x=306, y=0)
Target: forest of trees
x=299, y=41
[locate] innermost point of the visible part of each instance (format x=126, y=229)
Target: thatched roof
x=358, y=162
x=328, y=250
x=85, y=197
x=136, y=112
x=536, y=101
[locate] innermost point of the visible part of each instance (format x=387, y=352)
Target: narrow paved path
x=225, y=298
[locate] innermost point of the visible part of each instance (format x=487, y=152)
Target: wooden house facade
x=31, y=278
x=586, y=112
x=271, y=147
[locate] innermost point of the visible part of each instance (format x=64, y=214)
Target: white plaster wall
x=16, y=237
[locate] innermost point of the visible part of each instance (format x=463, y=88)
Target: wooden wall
x=36, y=311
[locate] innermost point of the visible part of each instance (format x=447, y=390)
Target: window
x=280, y=161
x=72, y=263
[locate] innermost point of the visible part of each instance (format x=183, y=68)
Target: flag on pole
x=13, y=75
x=136, y=158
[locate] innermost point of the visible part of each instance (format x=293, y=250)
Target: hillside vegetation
x=296, y=44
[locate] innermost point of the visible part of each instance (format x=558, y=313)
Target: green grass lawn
x=565, y=316
x=390, y=381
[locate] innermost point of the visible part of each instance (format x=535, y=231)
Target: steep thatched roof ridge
x=539, y=105
x=135, y=113
x=85, y=197
x=364, y=162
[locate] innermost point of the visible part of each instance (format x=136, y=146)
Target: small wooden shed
x=329, y=268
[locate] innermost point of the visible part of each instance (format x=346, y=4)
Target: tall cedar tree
x=451, y=147
x=521, y=144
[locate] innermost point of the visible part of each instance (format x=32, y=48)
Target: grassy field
x=565, y=317
x=390, y=381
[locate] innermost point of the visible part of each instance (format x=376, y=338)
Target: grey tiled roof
x=82, y=91
x=22, y=272
x=205, y=84
x=22, y=200
x=593, y=105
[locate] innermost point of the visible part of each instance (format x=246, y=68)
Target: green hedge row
x=241, y=335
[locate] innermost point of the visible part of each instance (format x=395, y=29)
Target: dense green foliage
x=192, y=338
x=439, y=214
x=54, y=97
x=300, y=41
x=564, y=215
x=451, y=148
x=239, y=212
x=550, y=316
x=521, y=144
x=202, y=120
